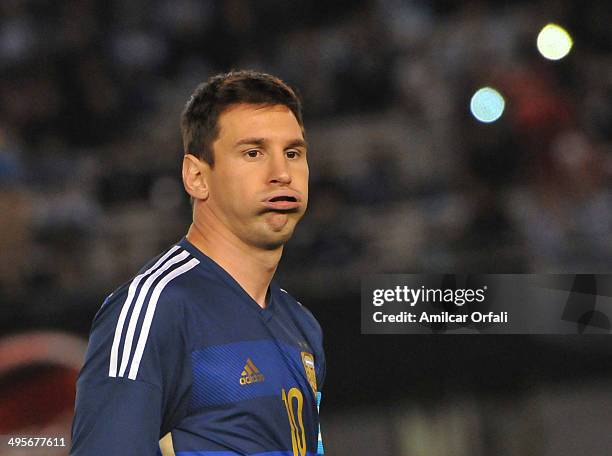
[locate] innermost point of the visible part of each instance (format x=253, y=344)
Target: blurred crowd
x=403, y=178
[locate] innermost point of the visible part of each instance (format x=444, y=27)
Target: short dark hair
x=199, y=121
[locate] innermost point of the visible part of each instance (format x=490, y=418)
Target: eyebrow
x=262, y=141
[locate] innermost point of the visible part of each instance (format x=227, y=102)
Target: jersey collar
x=273, y=289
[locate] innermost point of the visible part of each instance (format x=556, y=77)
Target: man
x=202, y=343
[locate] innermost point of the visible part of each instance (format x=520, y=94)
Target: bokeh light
x=487, y=105
x=554, y=42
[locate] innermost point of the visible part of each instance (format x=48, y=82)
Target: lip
x=282, y=205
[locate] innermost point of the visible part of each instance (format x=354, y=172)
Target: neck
x=253, y=268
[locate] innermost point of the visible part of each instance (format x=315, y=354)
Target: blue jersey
x=182, y=348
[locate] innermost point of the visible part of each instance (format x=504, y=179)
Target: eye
x=253, y=153
x=292, y=153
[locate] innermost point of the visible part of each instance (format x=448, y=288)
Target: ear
x=195, y=173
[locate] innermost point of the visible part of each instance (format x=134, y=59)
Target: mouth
x=282, y=201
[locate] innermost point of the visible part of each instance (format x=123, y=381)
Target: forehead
x=262, y=121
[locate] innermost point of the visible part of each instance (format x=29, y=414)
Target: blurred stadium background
x=404, y=178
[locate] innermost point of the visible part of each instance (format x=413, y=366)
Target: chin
x=278, y=241
x=274, y=240
x=270, y=235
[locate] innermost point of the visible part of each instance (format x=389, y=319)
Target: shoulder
x=152, y=300
x=163, y=279
x=144, y=318
x=300, y=312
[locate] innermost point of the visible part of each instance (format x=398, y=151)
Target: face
x=258, y=186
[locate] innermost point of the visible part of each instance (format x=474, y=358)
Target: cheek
x=225, y=193
x=239, y=192
x=230, y=183
x=301, y=178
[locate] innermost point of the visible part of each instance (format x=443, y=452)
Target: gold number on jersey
x=298, y=436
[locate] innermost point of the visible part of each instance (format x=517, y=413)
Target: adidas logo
x=251, y=374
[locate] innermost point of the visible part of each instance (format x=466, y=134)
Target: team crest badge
x=309, y=367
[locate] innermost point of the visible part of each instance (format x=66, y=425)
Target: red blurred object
x=38, y=372
x=36, y=397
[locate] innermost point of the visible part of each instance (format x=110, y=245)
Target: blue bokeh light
x=487, y=105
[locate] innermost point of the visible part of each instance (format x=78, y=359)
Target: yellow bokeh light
x=554, y=42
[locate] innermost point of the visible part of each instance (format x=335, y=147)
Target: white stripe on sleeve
x=129, y=335
x=112, y=371
x=146, y=325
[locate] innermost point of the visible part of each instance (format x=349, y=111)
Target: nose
x=279, y=172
